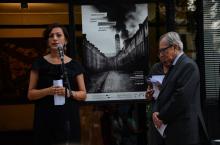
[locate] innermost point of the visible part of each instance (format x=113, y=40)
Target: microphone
x=60, y=51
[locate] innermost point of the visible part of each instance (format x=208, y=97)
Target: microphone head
x=59, y=46
x=60, y=50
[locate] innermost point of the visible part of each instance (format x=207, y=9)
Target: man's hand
x=156, y=120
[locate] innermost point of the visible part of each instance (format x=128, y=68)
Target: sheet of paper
x=157, y=78
x=162, y=129
x=58, y=100
x=156, y=81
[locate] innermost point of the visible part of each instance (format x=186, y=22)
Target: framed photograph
x=115, y=50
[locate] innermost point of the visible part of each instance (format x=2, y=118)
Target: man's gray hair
x=173, y=38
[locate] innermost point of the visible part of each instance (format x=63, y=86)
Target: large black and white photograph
x=115, y=50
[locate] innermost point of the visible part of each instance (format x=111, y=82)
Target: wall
x=16, y=117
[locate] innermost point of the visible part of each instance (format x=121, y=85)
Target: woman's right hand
x=56, y=90
x=149, y=93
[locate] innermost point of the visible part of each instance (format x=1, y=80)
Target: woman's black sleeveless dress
x=56, y=124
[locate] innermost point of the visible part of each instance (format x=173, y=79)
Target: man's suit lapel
x=171, y=71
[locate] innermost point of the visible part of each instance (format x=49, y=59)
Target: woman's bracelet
x=68, y=93
x=74, y=94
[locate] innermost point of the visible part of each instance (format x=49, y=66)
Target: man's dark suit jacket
x=178, y=103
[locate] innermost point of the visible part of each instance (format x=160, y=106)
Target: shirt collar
x=177, y=57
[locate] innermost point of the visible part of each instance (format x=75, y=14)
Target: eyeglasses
x=162, y=50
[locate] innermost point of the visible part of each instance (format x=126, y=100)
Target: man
x=178, y=104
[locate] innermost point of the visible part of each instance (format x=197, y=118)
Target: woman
x=56, y=124
x=159, y=68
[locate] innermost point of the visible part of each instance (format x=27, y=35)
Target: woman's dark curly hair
x=48, y=30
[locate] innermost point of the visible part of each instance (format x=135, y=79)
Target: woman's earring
x=64, y=47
